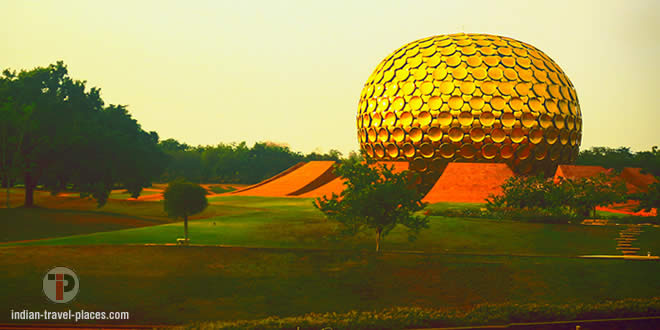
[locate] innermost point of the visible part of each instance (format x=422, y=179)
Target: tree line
x=232, y=163
x=618, y=158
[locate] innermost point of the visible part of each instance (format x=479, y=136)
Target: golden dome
x=470, y=97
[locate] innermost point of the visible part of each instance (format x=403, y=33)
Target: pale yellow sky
x=205, y=72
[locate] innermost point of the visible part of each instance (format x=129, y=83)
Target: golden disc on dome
x=445, y=118
x=516, y=103
x=453, y=60
x=506, y=151
x=487, y=119
x=392, y=150
x=517, y=135
x=495, y=73
x=383, y=134
x=447, y=150
x=497, y=135
x=492, y=60
x=408, y=150
x=545, y=120
x=420, y=74
x=468, y=87
x=509, y=62
x=489, y=151
x=426, y=88
x=408, y=88
x=398, y=103
x=415, y=134
x=455, y=134
x=369, y=150
x=416, y=102
x=506, y=88
x=465, y=118
x=535, y=136
x=479, y=73
x=424, y=118
x=477, y=134
x=476, y=102
x=474, y=61
x=426, y=150
x=398, y=134
x=467, y=151
x=435, y=102
x=523, y=88
x=497, y=102
x=435, y=134
x=455, y=102
x=447, y=87
x=406, y=118
x=527, y=119
x=508, y=119
x=433, y=61
x=459, y=73
x=390, y=119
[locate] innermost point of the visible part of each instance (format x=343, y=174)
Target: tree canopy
x=57, y=133
x=375, y=199
x=183, y=199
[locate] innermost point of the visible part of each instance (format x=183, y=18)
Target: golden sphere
x=470, y=97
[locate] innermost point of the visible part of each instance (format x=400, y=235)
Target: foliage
x=375, y=198
x=618, y=158
x=232, y=163
x=649, y=199
x=182, y=199
x=417, y=317
x=540, y=199
x=62, y=134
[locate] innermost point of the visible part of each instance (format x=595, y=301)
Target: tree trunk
x=29, y=191
x=6, y=180
x=185, y=227
x=378, y=240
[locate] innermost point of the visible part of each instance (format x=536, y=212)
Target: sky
x=209, y=72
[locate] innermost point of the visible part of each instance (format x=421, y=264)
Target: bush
x=562, y=201
x=487, y=314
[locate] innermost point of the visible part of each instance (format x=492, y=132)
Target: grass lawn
x=299, y=265
x=295, y=223
x=185, y=284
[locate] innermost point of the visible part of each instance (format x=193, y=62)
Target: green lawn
x=295, y=223
x=185, y=284
x=298, y=264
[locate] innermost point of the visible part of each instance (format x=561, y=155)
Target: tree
x=376, y=199
x=183, y=199
x=61, y=134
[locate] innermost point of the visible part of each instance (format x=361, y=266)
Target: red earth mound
x=289, y=182
x=468, y=183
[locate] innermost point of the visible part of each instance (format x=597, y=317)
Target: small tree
x=183, y=199
x=600, y=190
x=376, y=199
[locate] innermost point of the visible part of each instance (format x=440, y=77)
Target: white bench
x=182, y=241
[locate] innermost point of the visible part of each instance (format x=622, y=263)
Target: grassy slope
x=179, y=284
